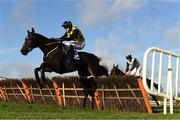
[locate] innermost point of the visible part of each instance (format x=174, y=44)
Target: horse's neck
x=45, y=44
x=119, y=72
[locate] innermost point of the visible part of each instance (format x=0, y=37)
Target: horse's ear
x=117, y=65
x=113, y=65
x=33, y=30
x=28, y=31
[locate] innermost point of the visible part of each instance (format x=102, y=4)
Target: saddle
x=71, y=53
x=71, y=59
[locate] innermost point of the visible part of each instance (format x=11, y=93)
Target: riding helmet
x=129, y=56
x=67, y=24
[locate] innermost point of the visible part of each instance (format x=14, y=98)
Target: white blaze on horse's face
x=28, y=44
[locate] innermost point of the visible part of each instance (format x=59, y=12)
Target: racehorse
x=116, y=71
x=55, y=57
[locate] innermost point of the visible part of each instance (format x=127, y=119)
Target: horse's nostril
x=23, y=52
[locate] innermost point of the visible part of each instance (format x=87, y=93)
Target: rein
x=51, y=43
x=51, y=51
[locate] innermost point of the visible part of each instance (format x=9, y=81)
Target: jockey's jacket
x=134, y=63
x=75, y=34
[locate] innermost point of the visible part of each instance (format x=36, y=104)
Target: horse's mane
x=44, y=38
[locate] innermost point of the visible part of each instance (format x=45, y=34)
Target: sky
x=112, y=29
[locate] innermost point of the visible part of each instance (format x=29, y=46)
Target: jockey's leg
x=70, y=52
x=133, y=72
x=70, y=55
x=138, y=72
x=77, y=46
x=66, y=46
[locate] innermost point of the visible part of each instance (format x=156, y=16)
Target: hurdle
x=171, y=67
x=124, y=94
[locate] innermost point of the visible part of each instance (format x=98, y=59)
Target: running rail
x=168, y=95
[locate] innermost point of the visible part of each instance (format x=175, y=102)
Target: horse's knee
x=36, y=70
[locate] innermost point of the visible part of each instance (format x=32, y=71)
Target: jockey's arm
x=75, y=34
x=133, y=65
x=66, y=38
x=63, y=37
x=60, y=38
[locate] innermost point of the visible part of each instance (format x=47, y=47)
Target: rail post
x=58, y=94
x=145, y=96
x=98, y=102
x=2, y=93
x=27, y=91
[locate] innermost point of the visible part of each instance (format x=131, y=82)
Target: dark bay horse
x=55, y=57
x=116, y=71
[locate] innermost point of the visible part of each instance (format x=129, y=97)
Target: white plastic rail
x=168, y=95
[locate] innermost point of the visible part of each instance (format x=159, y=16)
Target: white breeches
x=77, y=45
x=135, y=71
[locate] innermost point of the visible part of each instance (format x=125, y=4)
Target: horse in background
x=116, y=71
x=55, y=58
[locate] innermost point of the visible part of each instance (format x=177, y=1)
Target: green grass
x=36, y=111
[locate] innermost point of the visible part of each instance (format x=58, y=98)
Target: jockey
x=73, y=39
x=136, y=66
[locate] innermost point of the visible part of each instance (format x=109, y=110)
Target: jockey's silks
x=79, y=37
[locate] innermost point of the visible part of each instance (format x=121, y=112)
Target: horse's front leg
x=36, y=70
x=44, y=69
x=43, y=78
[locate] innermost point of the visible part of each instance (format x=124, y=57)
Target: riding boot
x=71, y=52
x=70, y=56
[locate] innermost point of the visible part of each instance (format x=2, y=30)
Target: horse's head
x=29, y=43
x=116, y=71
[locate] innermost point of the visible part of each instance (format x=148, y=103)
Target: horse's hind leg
x=93, y=99
x=156, y=86
x=85, y=99
x=154, y=98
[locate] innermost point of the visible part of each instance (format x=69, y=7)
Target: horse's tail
x=93, y=63
x=98, y=70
